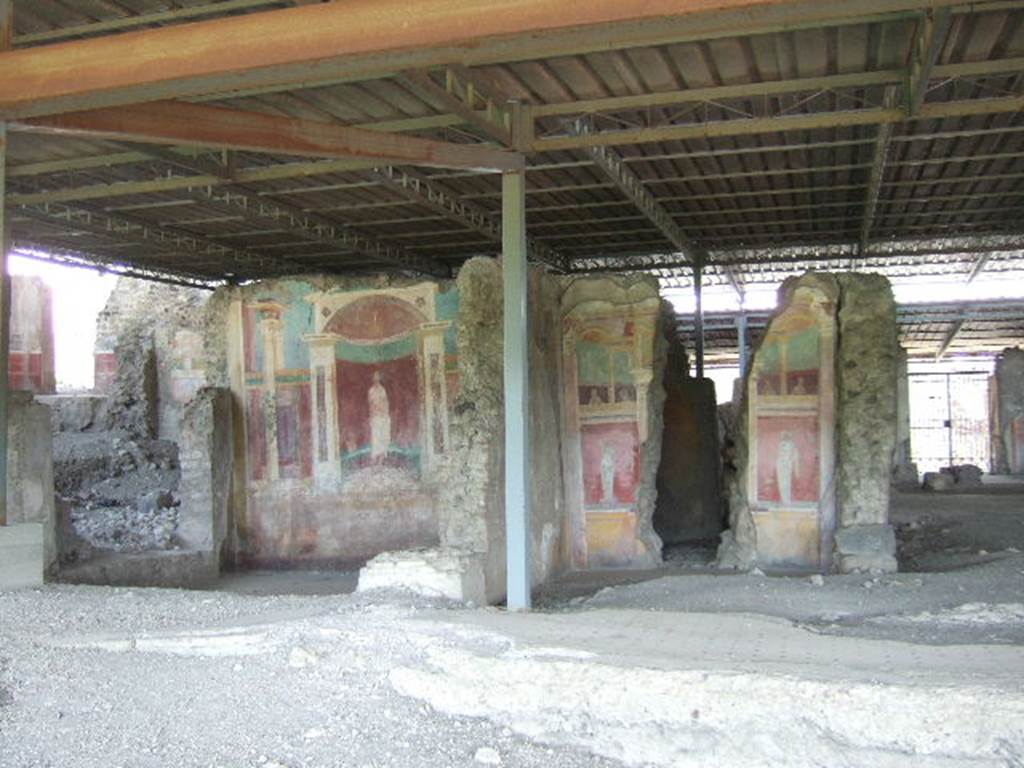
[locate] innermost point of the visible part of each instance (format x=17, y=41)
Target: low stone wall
x=30, y=495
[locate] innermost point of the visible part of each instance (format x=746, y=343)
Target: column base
x=866, y=548
x=22, y=560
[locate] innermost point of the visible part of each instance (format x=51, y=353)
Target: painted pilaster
x=435, y=435
x=324, y=402
x=272, y=354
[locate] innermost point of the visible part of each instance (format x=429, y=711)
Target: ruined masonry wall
x=472, y=523
x=150, y=354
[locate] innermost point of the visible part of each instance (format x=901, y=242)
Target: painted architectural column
x=324, y=406
x=435, y=436
x=273, y=354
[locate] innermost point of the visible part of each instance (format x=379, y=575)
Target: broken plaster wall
x=1008, y=412
x=149, y=355
x=823, y=381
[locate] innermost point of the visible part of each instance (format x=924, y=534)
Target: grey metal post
x=517, y=458
x=5, y=322
x=698, y=321
x=741, y=334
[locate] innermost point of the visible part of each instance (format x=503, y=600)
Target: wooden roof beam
x=367, y=38
x=183, y=123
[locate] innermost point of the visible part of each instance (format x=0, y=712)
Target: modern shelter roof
x=884, y=135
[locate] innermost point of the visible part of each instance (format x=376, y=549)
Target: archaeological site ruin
x=401, y=383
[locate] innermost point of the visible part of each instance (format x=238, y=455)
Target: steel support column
x=6, y=36
x=741, y=336
x=698, y=320
x=5, y=319
x=517, y=459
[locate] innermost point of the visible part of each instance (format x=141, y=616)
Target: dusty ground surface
x=682, y=667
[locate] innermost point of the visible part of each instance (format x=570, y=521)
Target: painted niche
x=791, y=423
x=347, y=396
x=608, y=367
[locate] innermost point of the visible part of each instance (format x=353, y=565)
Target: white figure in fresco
x=608, y=474
x=785, y=464
x=380, y=419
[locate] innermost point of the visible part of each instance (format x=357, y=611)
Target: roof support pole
x=698, y=319
x=517, y=459
x=6, y=35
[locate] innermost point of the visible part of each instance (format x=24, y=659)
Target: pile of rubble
x=115, y=493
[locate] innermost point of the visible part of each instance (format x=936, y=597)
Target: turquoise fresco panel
x=623, y=364
x=592, y=363
x=446, y=305
x=802, y=350
x=375, y=353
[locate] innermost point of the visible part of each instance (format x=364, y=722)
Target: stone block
x=74, y=413
x=905, y=476
x=443, y=573
x=30, y=492
x=22, y=562
x=866, y=548
x=206, y=456
x=938, y=481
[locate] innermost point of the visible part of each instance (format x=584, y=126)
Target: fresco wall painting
x=791, y=425
x=346, y=415
x=607, y=361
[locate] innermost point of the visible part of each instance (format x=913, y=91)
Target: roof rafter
x=177, y=123
x=430, y=195
x=161, y=238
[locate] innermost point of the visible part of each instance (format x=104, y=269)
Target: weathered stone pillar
x=1008, y=412
x=207, y=467
x=867, y=425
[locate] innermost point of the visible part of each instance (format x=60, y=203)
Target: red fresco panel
x=610, y=449
x=788, y=443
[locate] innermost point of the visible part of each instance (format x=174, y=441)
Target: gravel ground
x=680, y=666
x=102, y=677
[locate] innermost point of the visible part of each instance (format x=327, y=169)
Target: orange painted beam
x=179, y=122
x=367, y=38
